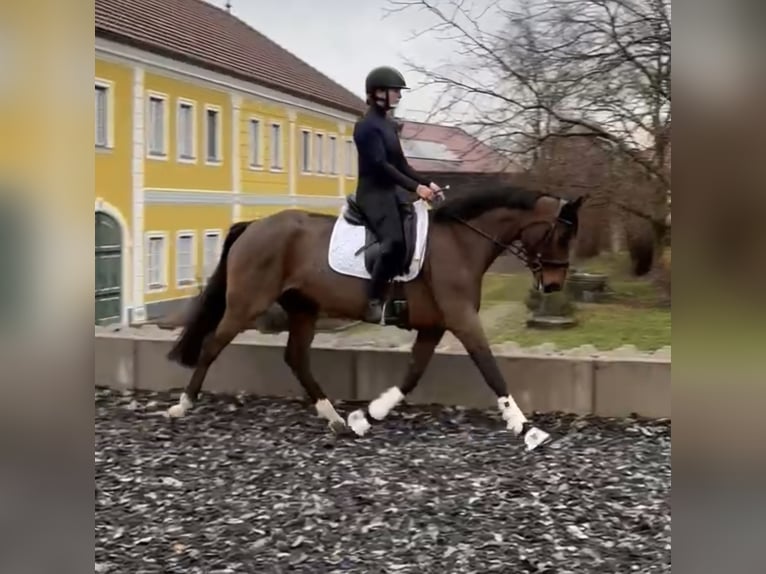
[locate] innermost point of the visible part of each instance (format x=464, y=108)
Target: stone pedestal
x=550, y=310
x=588, y=287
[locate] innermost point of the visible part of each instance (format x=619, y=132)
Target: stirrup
x=372, y=310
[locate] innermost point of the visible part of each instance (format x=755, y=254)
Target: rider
x=382, y=168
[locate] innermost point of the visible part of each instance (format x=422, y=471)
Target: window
x=156, y=123
x=349, y=158
x=102, y=116
x=305, y=151
x=276, y=146
x=185, y=130
x=155, y=262
x=185, y=267
x=255, y=143
x=212, y=134
x=211, y=252
x=319, y=153
x=333, y=155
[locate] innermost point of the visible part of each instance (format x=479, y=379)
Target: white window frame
x=193, y=105
x=278, y=166
x=108, y=87
x=319, y=156
x=306, y=150
x=332, y=154
x=162, y=154
x=218, y=234
x=218, y=159
x=349, y=157
x=163, y=266
x=186, y=283
x=256, y=147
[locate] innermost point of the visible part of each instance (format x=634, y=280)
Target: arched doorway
x=108, y=269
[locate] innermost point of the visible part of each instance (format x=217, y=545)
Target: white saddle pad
x=346, y=239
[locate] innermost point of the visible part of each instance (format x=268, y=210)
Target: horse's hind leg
x=422, y=351
x=235, y=319
x=303, y=317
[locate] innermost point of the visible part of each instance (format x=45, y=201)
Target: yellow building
x=201, y=121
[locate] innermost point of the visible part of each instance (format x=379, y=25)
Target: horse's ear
x=571, y=208
x=577, y=203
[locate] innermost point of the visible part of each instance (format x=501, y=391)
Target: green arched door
x=108, y=269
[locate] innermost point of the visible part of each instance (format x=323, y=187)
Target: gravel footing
x=253, y=485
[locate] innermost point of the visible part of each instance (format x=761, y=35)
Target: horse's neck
x=483, y=250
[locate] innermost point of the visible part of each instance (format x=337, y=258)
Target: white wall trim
x=137, y=176
x=173, y=68
x=125, y=252
x=292, y=165
x=213, y=197
x=236, y=154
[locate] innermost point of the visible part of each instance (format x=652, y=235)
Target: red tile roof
x=202, y=34
x=433, y=147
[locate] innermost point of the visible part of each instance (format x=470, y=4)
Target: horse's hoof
x=535, y=438
x=358, y=423
x=180, y=408
x=176, y=411
x=336, y=427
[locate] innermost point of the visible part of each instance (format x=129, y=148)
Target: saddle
x=355, y=216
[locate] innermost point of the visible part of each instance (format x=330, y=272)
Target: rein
x=535, y=265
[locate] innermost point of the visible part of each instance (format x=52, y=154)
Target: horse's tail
x=207, y=309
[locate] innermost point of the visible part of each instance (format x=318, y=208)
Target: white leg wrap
x=327, y=411
x=534, y=437
x=380, y=407
x=511, y=414
x=179, y=410
x=358, y=422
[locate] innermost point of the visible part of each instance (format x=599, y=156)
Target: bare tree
x=523, y=72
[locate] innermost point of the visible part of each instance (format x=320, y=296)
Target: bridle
x=535, y=264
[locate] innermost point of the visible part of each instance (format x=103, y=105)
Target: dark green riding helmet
x=382, y=78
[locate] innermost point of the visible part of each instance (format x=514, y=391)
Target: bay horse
x=284, y=259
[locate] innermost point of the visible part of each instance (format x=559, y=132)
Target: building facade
x=200, y=122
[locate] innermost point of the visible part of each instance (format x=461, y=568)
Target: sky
x=345, y=39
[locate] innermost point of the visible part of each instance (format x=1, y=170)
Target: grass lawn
x=603, y=326
x=633, y=317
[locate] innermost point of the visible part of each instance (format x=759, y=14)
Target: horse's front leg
x=467, y=327
x=298, y=358
x=422, y=351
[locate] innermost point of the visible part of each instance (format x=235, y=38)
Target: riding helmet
x=382, y=78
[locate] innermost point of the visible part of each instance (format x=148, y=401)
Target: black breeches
x=385, y=218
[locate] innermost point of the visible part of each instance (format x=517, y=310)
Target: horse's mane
x=473, y=204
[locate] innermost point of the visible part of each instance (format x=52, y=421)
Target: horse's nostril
x=551, y=287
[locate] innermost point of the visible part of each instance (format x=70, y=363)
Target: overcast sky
x=344, y=39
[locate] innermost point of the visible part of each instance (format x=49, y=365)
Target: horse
x=312, y=263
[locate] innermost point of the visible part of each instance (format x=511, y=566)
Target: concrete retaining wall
x=602, y=384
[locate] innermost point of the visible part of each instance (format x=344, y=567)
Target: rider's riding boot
x=374, y=311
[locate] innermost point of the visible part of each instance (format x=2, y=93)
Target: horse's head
x=546, y=241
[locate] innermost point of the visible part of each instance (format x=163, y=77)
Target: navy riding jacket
x=382, y=164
